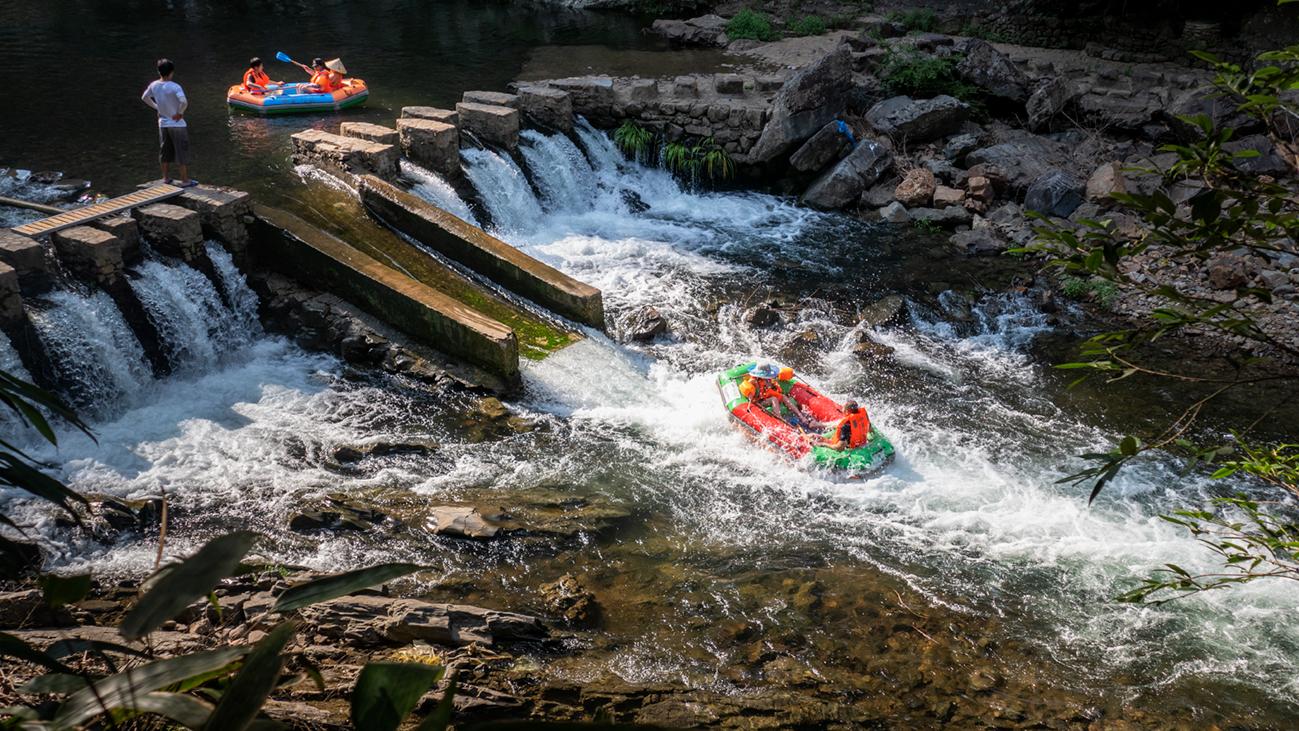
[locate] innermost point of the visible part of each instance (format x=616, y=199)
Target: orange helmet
x=786, y=374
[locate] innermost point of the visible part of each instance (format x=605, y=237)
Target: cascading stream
x=433, y=188
x=503, y=188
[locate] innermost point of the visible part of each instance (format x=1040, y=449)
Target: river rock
x=830, y=143
x=550, y=108
x=27, y=608
x=1267, y=162
x=1019, y=160
x=348, y=453
x=945, y=197
x=949, y=217
x=459, y=521
x=706, y=30
x=1105, y=182
x=958, y=146
x=980, y=188
x=880, y=194
x=647, y=325
x=1222, y=111
x=762, y=316
x=378, y=620
x=845, y=182
x=809, y=100
x=568, y=598
x=895, y=213
x=337, y=514
x=891, y=311
x=917, y=188
x=918, y=120
x=1055, y=193
x=1050, y=101
x=1229, y=271
x=980, y=241
x=993, y=73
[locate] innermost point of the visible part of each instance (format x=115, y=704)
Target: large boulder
x=918, y=120
x=1209, y=102
x=808, y=101
x=1267, y=162
x=706, y=30
x=1055, y=193
x=1119, y=113
x=1020, y=159
x=845, y=182
x=988, y=69
x=917, y=188
x=1105, y=182
x=830, y=143
x=1049, y=102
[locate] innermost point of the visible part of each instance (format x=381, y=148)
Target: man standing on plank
x=168, y=99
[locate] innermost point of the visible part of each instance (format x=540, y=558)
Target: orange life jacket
x=764, y=389
x=256, y=77
x=859, y=428
x=325, y=80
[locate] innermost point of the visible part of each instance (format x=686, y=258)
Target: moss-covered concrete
x=294, y=247
x=471, y=246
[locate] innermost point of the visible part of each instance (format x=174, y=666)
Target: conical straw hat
x=335, y=64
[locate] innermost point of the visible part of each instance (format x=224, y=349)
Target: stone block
x=588, y=92
x=945, y=197
x=491, y=98
x=547, y=107
x=27, y=257
x=731, y=84
x=90, y=254
x=491, y=124
x=685, y=86
x=174, y=230
x=366, y=131
x=126, y=230
x=643, y=90
x=433, y=145
x=347, y=155
x=446, y=116
x=769, y=84
x=11, y=299
x=222, y=211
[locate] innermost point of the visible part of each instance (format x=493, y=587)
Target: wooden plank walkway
x=78, y=216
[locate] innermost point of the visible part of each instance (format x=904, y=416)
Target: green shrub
x=633, y=139
x=918, y=20
x=808, y=25
x=920, y=75
x=705, y=158
x=1101, y=291
x=750, y=25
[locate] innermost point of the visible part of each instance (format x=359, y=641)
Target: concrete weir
x=480, y=251
x=308, y=254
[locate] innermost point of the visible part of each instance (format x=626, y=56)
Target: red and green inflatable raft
x=798, y=442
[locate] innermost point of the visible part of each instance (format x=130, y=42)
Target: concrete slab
x=492, y=98
x=366, y=131
x=126, y=230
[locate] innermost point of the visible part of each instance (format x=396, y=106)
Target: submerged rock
x=762, y=316
x=568, y=598
x=647, y=325
x=890, y=311
x=339, y=513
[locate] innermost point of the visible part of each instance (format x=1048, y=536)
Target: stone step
x=446, y=116
x=492, y=124
x=430, y=144
x=366, y=131
x=345, y=155
x=491, y=98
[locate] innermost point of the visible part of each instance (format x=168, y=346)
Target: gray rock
x=949, y=217
x=812, y=97
x=959, y=146
x=895, y=213
x=647, y=325
x=1268, y=161
x=1049, y=102
x=918, y=120
x=1123, y=113
x=1273, y=279
x=887, y=312
x=1207, y=101
x=988, y=69
x=1020, y=160
x=1105, y=182
x=826, y=146
x=1055, y=193
x=382, y=620
x=845, y=182
x=706, y=30
x=980, y=241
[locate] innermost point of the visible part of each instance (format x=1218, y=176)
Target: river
x=968, y=529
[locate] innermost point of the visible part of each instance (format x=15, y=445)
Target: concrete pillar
x=433, y=145
x=547, y=107
x=27, y=257
x=223, y=213
x=446, y=116
x=126, y=230
x=366, y=131
x=493, y=125
x=90, y=254
x=491, y=98
x=174, y=230
x=346, y=155
x=11, y=299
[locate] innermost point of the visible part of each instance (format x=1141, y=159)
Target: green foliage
x=916, y=20
x=925, y=226
x=177, y=586
x=702, y=159
x=973, y=30
x=751, y=25
x=1098, y=289
x=808, y=25
x=633, y=139
x=332, y=587
x=921, y=75
x=387, y=692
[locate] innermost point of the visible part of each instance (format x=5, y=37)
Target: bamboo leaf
x=60, y=591
x=440, y=718
x=250, y=688
x=186, y=582
x=386, y=693
x=332, y=587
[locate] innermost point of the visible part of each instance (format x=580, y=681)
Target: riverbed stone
x=380, y=620
x=895, y=212
x=917, y=188
x=705, y=30
x=547, y=107
x=918, y=120
x=90, y=254
x=126, y=230
x=492, y=124
x=491, y=98
x=811, y=98
x=223, y=212
x=11, y=299
x=569, y=599
x=646, y=325
x=460, y=521
x=367, y=131
x=174, y=230
x=1019, y=160
x=827, y=145
x=437, y=114
x=890, y=311
x=1105, y=182
x=945, y=196
x=845, y=182
x=27, y=257
x=992, y=72
x=433, y=145
x=1055, y=193
x=949, y=217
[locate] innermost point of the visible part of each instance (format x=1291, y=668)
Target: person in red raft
x=326, y=76
x=766, y=385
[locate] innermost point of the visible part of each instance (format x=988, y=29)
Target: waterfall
x=433, y=188
x=195, y=325
x=559, y=169
x=235, y=286
x=504, y=190
x=92, y=348
x=10, y=362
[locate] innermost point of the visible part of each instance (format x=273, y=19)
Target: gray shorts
x=173, y=145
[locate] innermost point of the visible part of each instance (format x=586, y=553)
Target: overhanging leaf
x=386, y=693
x=60, y=591
x=14, y=647
x=186, y=582
x=440, y=718
x=186, y=710
x=332, y=587
x=250, y=688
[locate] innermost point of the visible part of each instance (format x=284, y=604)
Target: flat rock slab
x=448, y=116
x=383, y=620
x=491, y=98
x=460, y=522
x=348, y=155
x=26, y=256
x=492, y=124
x=366, y=131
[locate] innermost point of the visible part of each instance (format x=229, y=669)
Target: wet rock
x=459, y=521
x=492, y=408
x=917, y=188
x=337, y=514
x=706, y=31
x=993, y=73
x=949, y=217
x=762, y=316
x=1049, y=102
x=880, y=194
x=1055, y=193
x=349, y=453
x=980, y=242
x=568, y=598
x=917, y=120
x=647, y=325
x=890, y=311
x=19, y=609
x=945, y=197
x=830, y=143
x=983, y=680
x=378, y=620
x=809, y=100
x=808, y=597
x=868, y=349
x=895, y=212
x=1105, y=182
x=845, y=182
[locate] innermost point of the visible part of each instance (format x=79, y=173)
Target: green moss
x=1101, y=291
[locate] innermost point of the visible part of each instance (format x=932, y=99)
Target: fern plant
x=634, y=140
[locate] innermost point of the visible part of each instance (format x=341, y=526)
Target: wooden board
x=79, y=216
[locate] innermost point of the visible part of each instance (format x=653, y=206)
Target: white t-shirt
x=169, y=99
